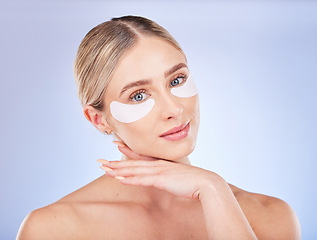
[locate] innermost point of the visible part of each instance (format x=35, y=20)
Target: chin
x=172, y=152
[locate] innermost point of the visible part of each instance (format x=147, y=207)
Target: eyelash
x=184, y=77
x=136, y=93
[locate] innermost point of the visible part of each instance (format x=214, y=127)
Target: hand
x=177, y=178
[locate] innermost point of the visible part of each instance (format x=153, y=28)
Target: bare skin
x=108, y=209
x=157, y=199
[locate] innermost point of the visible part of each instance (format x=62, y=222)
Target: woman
x=134, y=83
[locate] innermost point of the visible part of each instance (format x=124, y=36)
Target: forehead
x=149, y=58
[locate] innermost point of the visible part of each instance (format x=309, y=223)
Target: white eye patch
x=127, y=113
x=188, y=89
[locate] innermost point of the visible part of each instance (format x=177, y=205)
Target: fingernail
x=103, y=161
x=120, y=144
x=119, y=177
x=106, y=169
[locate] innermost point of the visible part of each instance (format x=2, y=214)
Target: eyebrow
x=146, y=82
x=134, y=84
x=174, y=69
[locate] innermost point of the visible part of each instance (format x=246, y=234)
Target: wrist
x=211, y=186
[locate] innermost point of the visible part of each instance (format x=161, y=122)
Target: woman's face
x=141, y=113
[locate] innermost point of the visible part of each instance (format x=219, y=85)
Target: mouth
x=177, y=133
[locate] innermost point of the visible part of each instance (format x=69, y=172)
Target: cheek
x=138, y=135
x=191, y=106
x=132, y=122
x=136, y=125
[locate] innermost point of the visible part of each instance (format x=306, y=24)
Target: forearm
x=223, y=215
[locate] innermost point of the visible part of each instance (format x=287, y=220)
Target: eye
x=178, y=80
x=138, y=96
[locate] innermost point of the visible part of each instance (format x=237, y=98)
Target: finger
x=106, y=168
x=134, y=163
x=102, y=161
x=142, y=180
x=119, y=143
x=135, y=171
x=117, y=177
x=129, y=153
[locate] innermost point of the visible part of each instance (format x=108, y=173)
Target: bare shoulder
x=269, y=217
x=50, y=222
x=76, y=215
x=55, y=221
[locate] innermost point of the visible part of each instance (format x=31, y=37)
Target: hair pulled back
x=101, y=50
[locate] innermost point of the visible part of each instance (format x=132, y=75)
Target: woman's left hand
x=177, y=178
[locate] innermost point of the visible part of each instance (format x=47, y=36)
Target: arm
x=222, y=209
x=270, y=218
x=223, y=215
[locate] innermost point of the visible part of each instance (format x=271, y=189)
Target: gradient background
x=255, y=66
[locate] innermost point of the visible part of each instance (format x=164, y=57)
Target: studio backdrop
x=255, y=67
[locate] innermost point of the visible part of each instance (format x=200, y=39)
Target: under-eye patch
x=127, y=113
x=188, y=89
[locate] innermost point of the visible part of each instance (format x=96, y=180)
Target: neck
x=184, y=160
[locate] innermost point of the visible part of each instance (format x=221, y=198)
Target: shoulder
x=49, y=222
x=269, y=217
x=69, y=217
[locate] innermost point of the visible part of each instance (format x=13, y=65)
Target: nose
x=171, y=107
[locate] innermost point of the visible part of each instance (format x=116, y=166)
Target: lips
x=177, y=133
x=174, y=130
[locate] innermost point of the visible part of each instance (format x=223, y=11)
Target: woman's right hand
x=180, y=179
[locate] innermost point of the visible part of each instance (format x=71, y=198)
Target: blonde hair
x=101, y=50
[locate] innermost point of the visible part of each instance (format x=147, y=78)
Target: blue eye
x=138, y=96
x=177, y=81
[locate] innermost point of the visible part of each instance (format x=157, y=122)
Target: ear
x=97, y=118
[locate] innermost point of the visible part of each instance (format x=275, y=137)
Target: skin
x=169, y=111
x=160, y=194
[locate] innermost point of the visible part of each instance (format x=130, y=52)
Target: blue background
x=255, y=66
